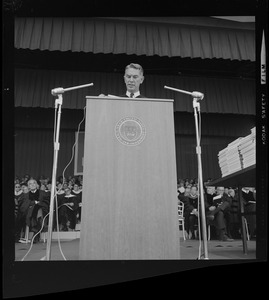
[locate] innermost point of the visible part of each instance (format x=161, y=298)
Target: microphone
x=57, y=91
x=61, y=90
x=194, y=94
x=197, y=95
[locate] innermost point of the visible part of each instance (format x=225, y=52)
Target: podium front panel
x=129, y=204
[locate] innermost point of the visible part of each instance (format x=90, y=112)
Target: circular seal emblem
x=130, y=131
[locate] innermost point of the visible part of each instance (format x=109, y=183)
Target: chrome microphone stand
x=58, y=105
x=196, y=106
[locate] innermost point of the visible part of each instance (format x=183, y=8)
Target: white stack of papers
x=230, y=159
x=247, y=149
x=239, y=154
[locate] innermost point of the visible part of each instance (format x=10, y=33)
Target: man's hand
x=194, y=212
x=71, y=204
x=211, y=208
x=102, y=95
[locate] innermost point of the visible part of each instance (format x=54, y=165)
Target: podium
x=129, y=202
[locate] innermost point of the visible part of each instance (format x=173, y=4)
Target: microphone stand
x=196, y=106
x=58, y=105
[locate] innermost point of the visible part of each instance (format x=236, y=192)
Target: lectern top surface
x=127, y=98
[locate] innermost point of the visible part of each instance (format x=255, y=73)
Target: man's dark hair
x=135, y=66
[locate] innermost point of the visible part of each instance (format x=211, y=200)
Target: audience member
x=192, y=211
x=36, y=204
x=78, y=193
x=24, y=188
x=249, y=195
x=216, y=206
x=234, y=214
x=18, y=199
x=68, y=210
x=18, y=195
x=226, y=190
x=180, y=187
x=183, y=197
x=48, y=187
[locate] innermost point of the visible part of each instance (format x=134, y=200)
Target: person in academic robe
x=217, y=206
x=193, y=210
x=67, y=211
x=78, y=193
x=36, y=206
x=249, y=201
x=19, y=218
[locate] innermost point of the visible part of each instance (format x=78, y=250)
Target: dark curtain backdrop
x=229, y=96
x=203, y=39
x=34, y=152
x=34, y=140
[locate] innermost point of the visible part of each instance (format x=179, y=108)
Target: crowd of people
x=32, y=204
x=221, y=209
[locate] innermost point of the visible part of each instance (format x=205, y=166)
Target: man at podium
x=133, y=77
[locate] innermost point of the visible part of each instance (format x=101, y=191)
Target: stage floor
x=189, y=250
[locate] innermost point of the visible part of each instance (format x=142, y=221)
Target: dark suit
x=220, y=213
x=140, y=96
x=250, y=210
x=30, y=213
x=68, y=212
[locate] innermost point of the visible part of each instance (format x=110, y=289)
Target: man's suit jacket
x=27, y=204
x=140, y=96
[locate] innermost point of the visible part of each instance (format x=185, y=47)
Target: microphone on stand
x=60, y=90
x=197, y=95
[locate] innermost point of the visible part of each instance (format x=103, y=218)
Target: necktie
x=132, y=95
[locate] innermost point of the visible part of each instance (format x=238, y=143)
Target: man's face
x=25, y=189
x=210, y=189
x=32, y=185
x=220, y=191
x=187, y=190
x=193, y=191
x=17, y=187
x=67, y=191
x=133, y=78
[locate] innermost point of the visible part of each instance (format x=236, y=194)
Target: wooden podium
x=129, y=204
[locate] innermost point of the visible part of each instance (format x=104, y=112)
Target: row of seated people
x=221, y=209
x=32, y=205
